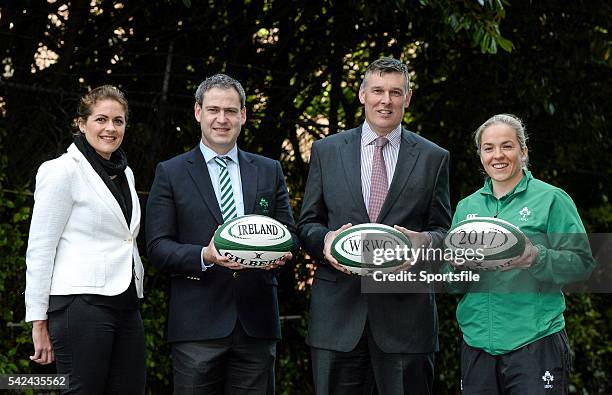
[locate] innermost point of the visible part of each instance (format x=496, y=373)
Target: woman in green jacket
x=514, y=341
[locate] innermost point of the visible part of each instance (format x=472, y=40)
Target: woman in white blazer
x=84, y=274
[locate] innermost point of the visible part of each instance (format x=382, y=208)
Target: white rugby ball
x=487, y=243
x=354, y=248
x=253, y=241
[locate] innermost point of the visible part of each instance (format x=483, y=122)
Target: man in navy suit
x=223, y=322
x=377, y=172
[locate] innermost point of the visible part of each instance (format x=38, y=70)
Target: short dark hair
x=387, y=65
x=220, y=81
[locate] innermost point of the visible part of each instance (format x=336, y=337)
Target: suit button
x=235, y=274
x=129, y=240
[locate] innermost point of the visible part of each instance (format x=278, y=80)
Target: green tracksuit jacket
x=507, y=310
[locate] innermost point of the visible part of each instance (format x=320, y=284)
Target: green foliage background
x=301, y=64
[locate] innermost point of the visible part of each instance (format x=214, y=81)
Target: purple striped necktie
x=379, y=184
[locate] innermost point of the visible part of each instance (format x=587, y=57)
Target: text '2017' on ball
x=488, y=243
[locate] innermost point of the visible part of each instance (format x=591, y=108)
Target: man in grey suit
x=378, y=172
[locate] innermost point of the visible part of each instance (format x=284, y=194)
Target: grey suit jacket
x=418, y=199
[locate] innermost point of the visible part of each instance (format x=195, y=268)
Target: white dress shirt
x=233, y=168
x=214, y=170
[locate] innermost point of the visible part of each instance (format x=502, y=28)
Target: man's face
x=385, y=99
x=220, y=117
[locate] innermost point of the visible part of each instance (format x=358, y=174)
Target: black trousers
x=101, y=349
x=368, y=370
x=542, y=367
x=237, y=364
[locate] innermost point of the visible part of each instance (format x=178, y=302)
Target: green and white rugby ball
x=253, y=241
x=356, y=247
x=490, y=242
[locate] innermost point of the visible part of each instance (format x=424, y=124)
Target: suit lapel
x=350, y=152
x=198, y=170
x=98, y=186
x=248, y=176
x=406, y=160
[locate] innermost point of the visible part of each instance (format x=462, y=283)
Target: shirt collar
x=209, y=154
x=487, y=189
x=368, y=135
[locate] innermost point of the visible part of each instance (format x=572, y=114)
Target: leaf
x=485, y=43
x=493, y=46
x=454, y=23
x=504, y=43
x=479, y=36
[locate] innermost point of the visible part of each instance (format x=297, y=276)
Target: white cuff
x=203, y=264
x=325, y=241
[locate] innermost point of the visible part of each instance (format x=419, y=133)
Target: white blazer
x=79, y=242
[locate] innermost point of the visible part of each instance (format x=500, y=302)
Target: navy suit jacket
x=182, y=216
x=418, y=199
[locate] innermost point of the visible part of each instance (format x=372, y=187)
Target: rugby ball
x=355, y=248
x=486, y=243
x=253, y=241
